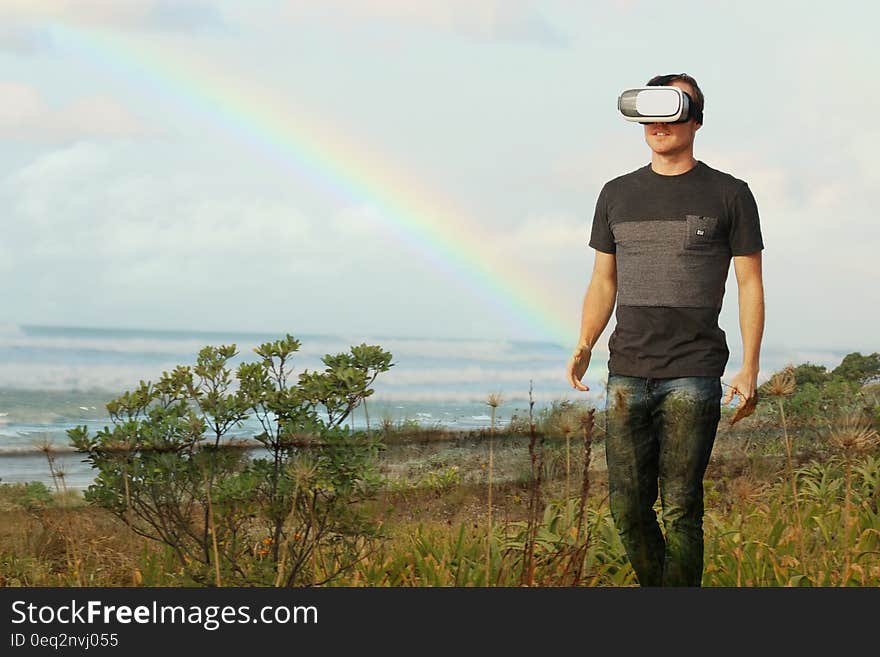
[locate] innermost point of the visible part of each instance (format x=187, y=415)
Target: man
x=664, y=236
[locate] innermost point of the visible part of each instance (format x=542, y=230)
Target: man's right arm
x=599, y=300
x=598, y=305
x=601, y=293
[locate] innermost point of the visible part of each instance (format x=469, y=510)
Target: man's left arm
x=751, y=321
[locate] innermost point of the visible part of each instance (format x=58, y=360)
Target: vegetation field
x=792, y=492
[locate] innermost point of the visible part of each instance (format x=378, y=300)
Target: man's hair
x=698, y=99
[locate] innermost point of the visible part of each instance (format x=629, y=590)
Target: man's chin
x=665, y=151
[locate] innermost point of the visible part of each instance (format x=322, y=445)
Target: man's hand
x=577, y=366
x=744, y=384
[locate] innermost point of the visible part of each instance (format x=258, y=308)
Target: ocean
x=55, y=378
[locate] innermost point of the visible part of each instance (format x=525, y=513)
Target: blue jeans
x=661, y=430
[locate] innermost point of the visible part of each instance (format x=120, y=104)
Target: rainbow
x=307, y=145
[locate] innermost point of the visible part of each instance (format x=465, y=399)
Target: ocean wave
x=496, y=351
x=117, y=377
x=103, y=344
x=62, y=377
x=14, y=336
x=9, y=330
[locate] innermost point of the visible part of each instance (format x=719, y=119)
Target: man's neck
x=673, y=165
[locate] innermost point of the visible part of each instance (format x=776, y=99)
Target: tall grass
x=782, y=385
x=783, y=508
x=494, y=400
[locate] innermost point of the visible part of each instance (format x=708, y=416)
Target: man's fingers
x=573, y=378
x=575, y=383
x=745, y=408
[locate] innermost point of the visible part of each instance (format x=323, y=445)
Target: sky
x=419, y=169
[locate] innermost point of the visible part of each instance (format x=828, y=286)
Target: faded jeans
x=661, y=430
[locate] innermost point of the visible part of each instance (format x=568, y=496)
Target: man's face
x=672, y=138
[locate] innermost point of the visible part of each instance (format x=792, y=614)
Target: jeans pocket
x=698, y=388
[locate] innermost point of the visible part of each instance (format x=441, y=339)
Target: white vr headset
x=658, y=105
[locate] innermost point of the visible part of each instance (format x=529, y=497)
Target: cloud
x=491, y=20
x=88, y=195
x=541, y=239
x=97, y=227
x=24, y=40
x=170, y=15
x=25, y=115
x=472, y=374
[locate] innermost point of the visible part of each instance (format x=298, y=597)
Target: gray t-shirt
x=673, y=237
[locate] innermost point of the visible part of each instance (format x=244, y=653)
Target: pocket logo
x=701, y=233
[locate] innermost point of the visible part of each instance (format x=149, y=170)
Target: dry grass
x=71, y=546
x=784, y=507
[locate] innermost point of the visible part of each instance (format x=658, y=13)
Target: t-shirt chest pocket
x=702, y=232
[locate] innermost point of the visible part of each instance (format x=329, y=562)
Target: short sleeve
x=745, y=225
x=601, y=237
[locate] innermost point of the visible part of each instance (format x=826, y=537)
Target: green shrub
x=28, y=496
x=286, y=517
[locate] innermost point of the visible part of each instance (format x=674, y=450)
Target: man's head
x=674, y=138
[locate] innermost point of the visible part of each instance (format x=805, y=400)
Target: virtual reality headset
x=658, y=105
